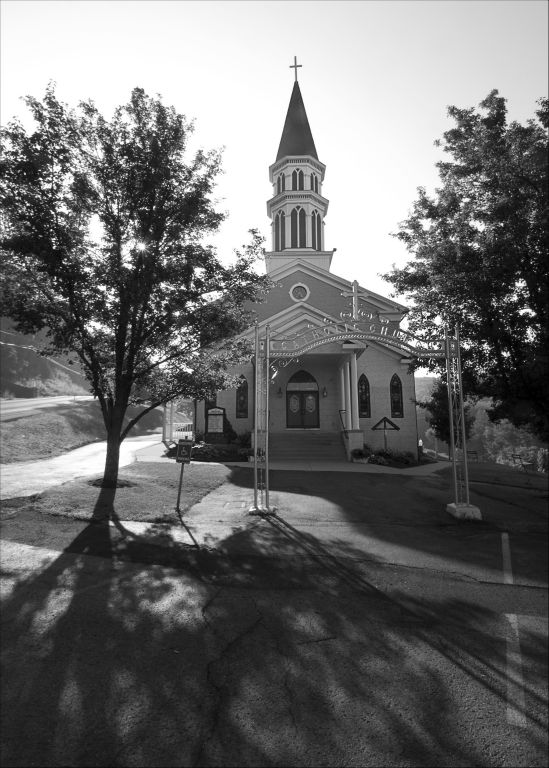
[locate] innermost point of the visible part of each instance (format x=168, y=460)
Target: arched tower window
x=397, y=408
x=242, y=399
x=280, y=231
x=316, y=231
x=297, y=179
x=280, y=184
x=298, y=236
x=314, y=182
x=363, y=398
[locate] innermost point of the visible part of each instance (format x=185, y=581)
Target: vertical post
x=355, y=299
x=354, y=393
x=267, y=384
x=462, y=410
x=449, y=377
x=256, y=409
x=164, y=412
x=179, y=489
x=170, y=435
x=347, y=395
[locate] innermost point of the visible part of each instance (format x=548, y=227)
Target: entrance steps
x=306, y=445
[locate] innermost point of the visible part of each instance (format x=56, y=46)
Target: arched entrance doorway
x=302, y=402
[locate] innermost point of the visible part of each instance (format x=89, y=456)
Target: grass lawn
x=52, y=432
x=149, y=493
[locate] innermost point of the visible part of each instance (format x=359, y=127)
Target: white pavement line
x=506, y=550
x=516, y=705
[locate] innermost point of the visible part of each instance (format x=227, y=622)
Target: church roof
x=297, y=138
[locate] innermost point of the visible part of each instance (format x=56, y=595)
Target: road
x=16, y=407
x=355, y=628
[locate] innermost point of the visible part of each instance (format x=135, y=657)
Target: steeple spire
x=297, y=138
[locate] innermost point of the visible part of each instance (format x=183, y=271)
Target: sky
x=376, y=79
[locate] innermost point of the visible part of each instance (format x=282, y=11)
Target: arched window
x=280, y=231
x=280, y=184
x=314, y=182
x=302, y=380
x=363, y=398
x=302, y=229
x=297, y=179
x=397, y=408
x=242, y=399
x=298, y=235
x=316, y=224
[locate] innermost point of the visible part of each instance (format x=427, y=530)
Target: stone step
x=304, y=445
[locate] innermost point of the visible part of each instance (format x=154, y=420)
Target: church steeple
x=297, y=138
x=297, y=208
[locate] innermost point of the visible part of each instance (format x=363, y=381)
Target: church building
x=334, y=395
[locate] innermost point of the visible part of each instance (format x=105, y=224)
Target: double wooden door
x=302, y=410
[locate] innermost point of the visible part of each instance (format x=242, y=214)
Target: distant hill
x=424, y=386
x=25, y=373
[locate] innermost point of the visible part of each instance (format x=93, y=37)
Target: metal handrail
x=342, y=410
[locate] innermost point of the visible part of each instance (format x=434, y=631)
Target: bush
x=375, y=458
x=358, y=453
x=244, y=439
x=542, y=460
x=389, y=457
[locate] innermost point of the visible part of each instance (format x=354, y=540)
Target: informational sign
x=215, y=420
x=184, y=451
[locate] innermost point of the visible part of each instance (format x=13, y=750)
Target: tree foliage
x=480, y=255
x=438, y=414
x=102, y=244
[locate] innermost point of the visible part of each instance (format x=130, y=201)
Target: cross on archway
x=295, y=66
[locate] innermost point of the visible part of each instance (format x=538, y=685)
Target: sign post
x=385, y=424
x=183, y=456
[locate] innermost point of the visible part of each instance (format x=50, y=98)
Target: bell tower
x=297, y=208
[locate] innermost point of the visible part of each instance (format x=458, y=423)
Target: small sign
x=385, y=423
x=184, y=451
x=215, y=420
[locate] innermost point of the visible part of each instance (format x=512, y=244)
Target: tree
x=480, y=249
x=101, y=243
x=438, y=411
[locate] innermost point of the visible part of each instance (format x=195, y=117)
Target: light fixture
x=324, y=392
x=279, y=393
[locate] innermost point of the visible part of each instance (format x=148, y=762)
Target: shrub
x=358, y=453
x=375, y=458
x=542, y=460
x=244, y=439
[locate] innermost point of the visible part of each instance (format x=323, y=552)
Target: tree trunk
x=110, y=475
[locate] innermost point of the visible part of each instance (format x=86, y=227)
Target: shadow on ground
x=286, y=655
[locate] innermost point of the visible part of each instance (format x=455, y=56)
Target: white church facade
x=347, y=389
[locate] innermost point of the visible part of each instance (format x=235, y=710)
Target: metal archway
x=288, y=349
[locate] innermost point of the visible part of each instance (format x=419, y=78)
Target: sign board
x=184, y=451
x=215, y=420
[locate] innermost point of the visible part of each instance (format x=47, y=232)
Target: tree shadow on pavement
x=274, y=652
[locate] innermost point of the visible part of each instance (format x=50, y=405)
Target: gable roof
x=297, y=138
x=338, y=282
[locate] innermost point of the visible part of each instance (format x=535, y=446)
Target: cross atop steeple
x=295, y=66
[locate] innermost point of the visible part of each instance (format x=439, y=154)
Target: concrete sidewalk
x=25, y=478
x=156, y=453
